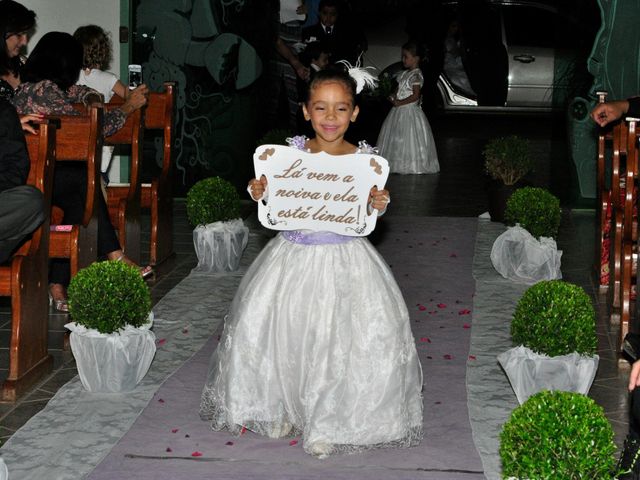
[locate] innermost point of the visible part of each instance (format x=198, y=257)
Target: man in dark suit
x=343, y=38
x=21, y=208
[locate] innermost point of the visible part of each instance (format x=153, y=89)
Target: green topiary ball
x=558, y=435
x=212, y=200
x=106, y=296
x=536, y=210
x=555, y=318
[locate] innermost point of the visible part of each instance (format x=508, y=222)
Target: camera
x=135, y=76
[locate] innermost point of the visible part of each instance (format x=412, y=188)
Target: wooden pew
x=24, y=279
x=159, y=114
x=603, y=192
x=79, y=138
x=629, y=235
x=124, y=210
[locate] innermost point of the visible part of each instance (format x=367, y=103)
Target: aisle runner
x=431, y=259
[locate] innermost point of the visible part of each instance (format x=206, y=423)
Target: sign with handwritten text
x=318, y=191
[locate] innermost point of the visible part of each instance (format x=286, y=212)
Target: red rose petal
x=244, y=429
x=472, y=357
x=160, y=400
x=422, y=308
x=447, y=356
x=174, y=430
x=466, y=325
x=425, y=339
x=442, y=305
x=293, y=442
x=162, y=341
x=196, y=454
x=465, y=311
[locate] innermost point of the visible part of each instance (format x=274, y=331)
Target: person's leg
x=630, y=457
x=21, y=212
x=69, y=193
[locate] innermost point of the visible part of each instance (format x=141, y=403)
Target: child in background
x=405, y=138
x=318, y=341
x=97, y=57
x=315, y=56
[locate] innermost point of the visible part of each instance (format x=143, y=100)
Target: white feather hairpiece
x=362, y=77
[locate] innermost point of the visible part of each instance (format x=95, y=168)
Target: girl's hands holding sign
x=379, y=199
x=257, y=188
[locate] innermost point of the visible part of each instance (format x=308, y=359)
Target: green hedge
x=554, y=318
x=212, y=200
x=560, y=436
x=107, y=296
x=536, y=210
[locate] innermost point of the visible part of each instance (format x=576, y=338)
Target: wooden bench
x=24, y=279
x=124, y=210
x=629, y=229
x=157, y=196
x=79, y=138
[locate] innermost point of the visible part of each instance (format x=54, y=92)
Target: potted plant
x=219, y=235
x=559, y=435
x=535, y=209
x=507, y=160
x=554, y=330
x=111, y=340
x=527, y=252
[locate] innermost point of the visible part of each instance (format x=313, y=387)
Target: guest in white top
x=97, y=57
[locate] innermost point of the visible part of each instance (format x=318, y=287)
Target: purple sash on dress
x=315, y=238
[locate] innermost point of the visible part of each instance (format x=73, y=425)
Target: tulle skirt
x=318, y=343
x=406, y=141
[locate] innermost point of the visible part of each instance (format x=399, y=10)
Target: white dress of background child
x=405, y=139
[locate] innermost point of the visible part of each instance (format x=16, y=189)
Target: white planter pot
x=219, y=245
x=112, y=362
x=521, y=258
x=530, y=372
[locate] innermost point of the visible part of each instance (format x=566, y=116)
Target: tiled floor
x=459, y=190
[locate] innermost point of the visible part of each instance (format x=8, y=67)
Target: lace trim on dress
x=211, y=410
x=299, y=142
x=364, y=147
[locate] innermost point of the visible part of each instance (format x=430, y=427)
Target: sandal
x=61, y=304
x=144, y=271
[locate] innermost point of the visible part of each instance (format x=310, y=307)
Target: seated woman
x=15, y=23
x=48, y=86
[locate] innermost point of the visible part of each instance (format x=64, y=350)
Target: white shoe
x=280, y=430
x=320, y=449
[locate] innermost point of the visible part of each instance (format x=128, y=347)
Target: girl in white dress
x=318, y=341
x=405, y=138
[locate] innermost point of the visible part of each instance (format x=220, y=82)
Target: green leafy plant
x=212, y=200
x=536, y=210
x=507, y=159
x=558, y=435
x=277, y=136
x=386, y=86
x=554, y=318
x=107, y=296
